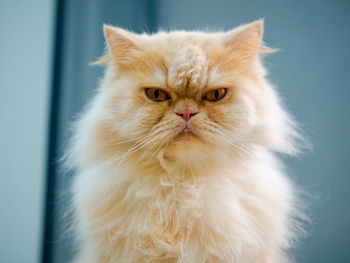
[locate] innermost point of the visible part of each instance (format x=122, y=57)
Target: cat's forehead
x=187, y=60
x=183, y=62
x=187, y=68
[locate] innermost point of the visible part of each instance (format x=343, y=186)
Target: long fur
x=144, y=192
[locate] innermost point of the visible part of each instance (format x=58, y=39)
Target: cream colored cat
x=174, y=156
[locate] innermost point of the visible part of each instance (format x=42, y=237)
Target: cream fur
x=144, y=193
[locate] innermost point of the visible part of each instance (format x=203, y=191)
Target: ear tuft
x=120, y=41
x=246, y=39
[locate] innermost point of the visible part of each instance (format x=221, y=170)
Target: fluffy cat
x=175, y=155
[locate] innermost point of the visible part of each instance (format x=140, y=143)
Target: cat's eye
x=157, y=95
x=215, y=94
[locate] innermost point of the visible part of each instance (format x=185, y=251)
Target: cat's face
x=188, y=97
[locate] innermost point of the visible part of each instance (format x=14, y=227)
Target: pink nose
x=186, y=114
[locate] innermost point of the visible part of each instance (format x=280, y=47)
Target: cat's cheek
x=242, y=114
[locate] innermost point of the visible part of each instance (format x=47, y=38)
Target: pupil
x=216, y=94
x=156, y=94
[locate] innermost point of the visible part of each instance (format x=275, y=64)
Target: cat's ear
x=120, y=41
x=246, y=39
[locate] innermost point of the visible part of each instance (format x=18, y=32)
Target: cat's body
x=174, y=156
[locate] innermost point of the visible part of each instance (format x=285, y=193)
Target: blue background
x=312, y=72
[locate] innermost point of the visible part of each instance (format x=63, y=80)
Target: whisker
x=132, y=139
x=234, y=142
x=138, y=146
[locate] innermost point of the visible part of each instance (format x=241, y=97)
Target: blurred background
x=45, y=81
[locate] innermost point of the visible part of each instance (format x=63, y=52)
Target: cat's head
x=189, y=97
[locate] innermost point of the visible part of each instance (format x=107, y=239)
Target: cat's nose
x=186, y=114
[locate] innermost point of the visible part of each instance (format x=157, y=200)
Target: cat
x=175, y=157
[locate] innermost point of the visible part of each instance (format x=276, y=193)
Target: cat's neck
x=177, y=171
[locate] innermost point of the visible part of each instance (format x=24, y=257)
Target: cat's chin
x=186, y=150
x=187, y=136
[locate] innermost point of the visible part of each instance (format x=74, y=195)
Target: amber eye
x=157, y=94
x=215, y=94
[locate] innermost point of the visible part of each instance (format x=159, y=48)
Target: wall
x=25, y=67
x=312, y=73
x=80, y=41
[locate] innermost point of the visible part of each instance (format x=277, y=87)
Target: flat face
x=187, y=95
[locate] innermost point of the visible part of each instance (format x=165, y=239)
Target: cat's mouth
x=186, y=131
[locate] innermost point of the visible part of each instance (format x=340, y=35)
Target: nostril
x=186, y=114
